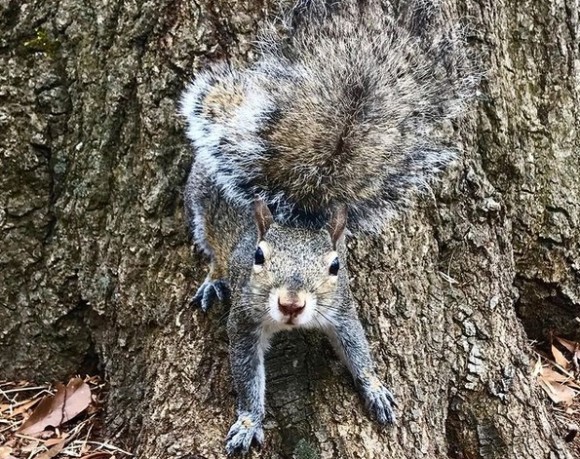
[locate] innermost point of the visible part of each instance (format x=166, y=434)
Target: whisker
x=330, y=320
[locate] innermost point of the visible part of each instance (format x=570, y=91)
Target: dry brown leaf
x=570, y=345
x=5, y=452
x=52, y=452
x=24, y=407
x=555, y=376
x=560, y=359
x=559, y=393
x=54, y=441
x=559, y=387
x=52, y=411
x=549, y=375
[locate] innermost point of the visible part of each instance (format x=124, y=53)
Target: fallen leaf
x=52, y=411
x=549, y=375
x=54, y=441
x=570, y=345
x=559, y=393
x=52, y=452
x=560, y=359
x=5, y=452
x=24, y=407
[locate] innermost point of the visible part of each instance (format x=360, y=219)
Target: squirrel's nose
x=291, y=308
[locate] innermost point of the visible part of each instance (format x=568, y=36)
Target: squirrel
x=333, y=129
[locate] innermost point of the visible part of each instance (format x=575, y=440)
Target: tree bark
x=96, y=268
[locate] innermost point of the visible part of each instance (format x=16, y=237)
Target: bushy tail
x=350, y=108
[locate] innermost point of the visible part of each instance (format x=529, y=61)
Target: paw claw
x=380, y=402
x=209, y=292
x=245, y=433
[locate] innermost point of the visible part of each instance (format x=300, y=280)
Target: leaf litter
x=60, y=421
x=65, y=404
x=558, y=374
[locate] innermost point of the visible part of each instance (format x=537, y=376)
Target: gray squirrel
x=336, y=125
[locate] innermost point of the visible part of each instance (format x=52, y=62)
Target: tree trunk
x=96, y=266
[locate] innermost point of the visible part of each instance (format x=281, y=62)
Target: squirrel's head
x=296, y=271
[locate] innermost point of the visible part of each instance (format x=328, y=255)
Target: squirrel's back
x=344, y=109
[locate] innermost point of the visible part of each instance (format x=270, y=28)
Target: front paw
x=210, y=291
x=378, y=400
x=246, y=432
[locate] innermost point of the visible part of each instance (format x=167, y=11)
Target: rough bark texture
x=96, y=267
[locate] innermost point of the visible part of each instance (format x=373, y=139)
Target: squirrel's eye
x=259, y=257
x=333, y=269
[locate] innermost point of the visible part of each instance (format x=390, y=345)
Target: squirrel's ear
x=263, y=216
x=337, y=224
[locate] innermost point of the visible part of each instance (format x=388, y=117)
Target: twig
x=105, y=446
x=24, y=389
